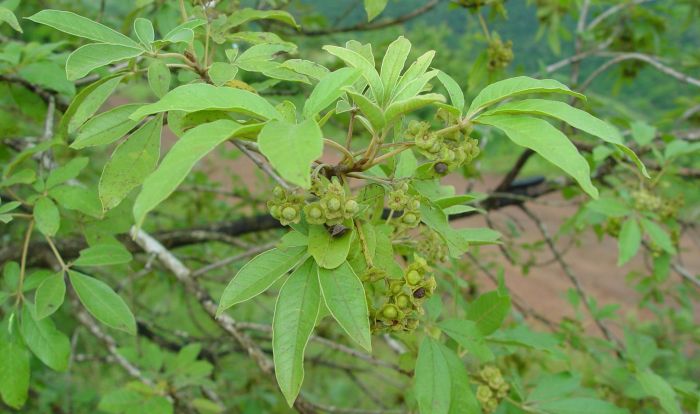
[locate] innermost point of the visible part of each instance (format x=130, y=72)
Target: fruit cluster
x=492, y=388
x=432, y=246
x=646, y=201
x=404, y=298
x=447, y=151
x=400, y=200
x=285, y=206
x=500, y=53
x=332, y=205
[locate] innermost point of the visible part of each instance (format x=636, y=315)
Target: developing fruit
x=413, y=277
x=289, y=213
x=390, y=311
x=403, y=301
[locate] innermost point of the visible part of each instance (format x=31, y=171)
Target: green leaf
x=629, y=241
x=328, y=90
x=87, y=102
x=467, y=334
x=201, y=96
x=76, y=25
x=489, y=311
x=14, y=372
x=8, y=17
x=524, y=337
x=609, y=207
x=576, y=118
x=657, y=387
x=143, y=28
x=66, y=172
x=296, y=311
x=95, y=55
x=77, y=198
x=356, y=60
x=404, y=106
x=436, y=219
x=547, y=141
x=642, y=132
x=106, y=127
x=49, y=75
x=416, y=70
x=103, y=255
x=49, y=295
x=306, y=67
x=132, y=161
x=46, y=216
x=159, y=77
x=453, y=89
x=102, y=302
x=344, y=295
x=184, y=33
x=247, y=15
x=406, y=165
x=50, y=345
x=433, y=387
x=258, y=275
x=329, y=252
x=658, y=235
x=414, y=87
x=190, y=148
x=517, y=86
x=222, y=72
x=291, y=148
x=374, y=8
x=479, y=235
x=442, y=384
x=580, y=405
x=393, y=63
x=373, y=112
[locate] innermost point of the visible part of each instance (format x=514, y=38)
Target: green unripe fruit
x=414, y=205
x=275, y=211
x=390, y=311
x=483, y=393
x=315, y=212
x=403, y=301
x=413, y=277
x=409, y=218
x=351, y=206
x=395, y=286
x=333, y=204
x=278, y=192
x=289, y=213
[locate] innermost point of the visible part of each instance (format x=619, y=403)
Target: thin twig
x=228, y=324
x=569, y=273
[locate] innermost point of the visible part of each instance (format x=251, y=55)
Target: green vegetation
x=145, y=269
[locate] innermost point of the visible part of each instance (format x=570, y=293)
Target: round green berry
x=315, y=212
x=409, y=218
x=278, y=192
x=289, y=213
x=275, y=211
x=395, y=286
x=413, y=277
x=403, y=301
x=414, y=204
x=483, y=393
x=351, y=206
x=390, y=311
x=333, y=204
